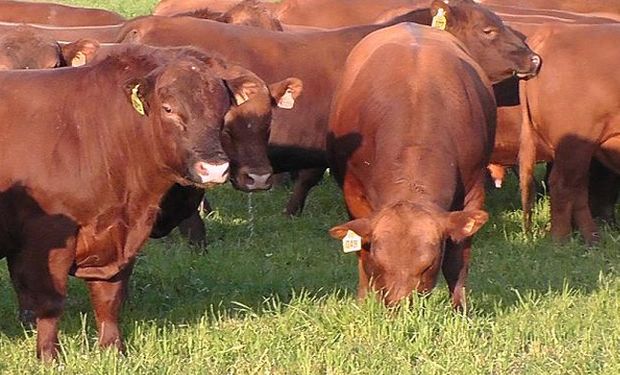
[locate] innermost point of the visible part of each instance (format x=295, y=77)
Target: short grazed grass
x=276, y=296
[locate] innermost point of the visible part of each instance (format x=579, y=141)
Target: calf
x=82, y=192
x=410, y=134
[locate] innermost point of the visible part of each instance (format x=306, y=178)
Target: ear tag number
x=439, y=21
x=135, y=100
x=287, y=101
x=351, y=242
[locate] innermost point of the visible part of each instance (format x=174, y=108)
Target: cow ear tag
x=351, y=242
x=135, y=100
x=287, y=101
x=79, y=59
x=439, y=21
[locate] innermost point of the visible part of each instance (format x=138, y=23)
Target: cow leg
x=107, y=297
x=569, y=192
x=455, y=268
x=26, y=305
x=603, y=191
x=193, y=228
x=41, y=269
x=306, y=180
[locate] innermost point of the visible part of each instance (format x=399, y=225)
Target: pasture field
x=276, y=296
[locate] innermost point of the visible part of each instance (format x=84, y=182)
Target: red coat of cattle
x=26, y=47
x=81, y=182
x=55, y=14
x=611, y=7
x=409, y=98
x=102, y=34
x=572, y=107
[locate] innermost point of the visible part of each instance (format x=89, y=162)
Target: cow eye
x=490, y=32
x=167, y=108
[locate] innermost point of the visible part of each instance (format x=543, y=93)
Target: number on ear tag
x=351, y=242
x=439, y=21
x=135, y=100
x=287, y=101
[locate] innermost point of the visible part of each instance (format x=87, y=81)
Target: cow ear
x=243, y=88
x=285, y=92
x=80, y=52
x=463, y=224
x=138, y=91
x=361, y=227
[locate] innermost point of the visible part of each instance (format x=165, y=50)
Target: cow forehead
x=408, y=220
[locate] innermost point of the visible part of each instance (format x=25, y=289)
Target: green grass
x=277, y=296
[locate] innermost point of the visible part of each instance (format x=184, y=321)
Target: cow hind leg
x=306, y=180
x=569, y=191
x=107, y=297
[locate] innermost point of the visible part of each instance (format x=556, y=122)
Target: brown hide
x=55, y=14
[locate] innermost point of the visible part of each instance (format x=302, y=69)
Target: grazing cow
x=25, y=47
x=56, y=14
x=575, y=67
x=82, y=192
x=410, y=134
x=297, y=140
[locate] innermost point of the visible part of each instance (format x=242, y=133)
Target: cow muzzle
x=534, y=66
x=248, y=180
x=212, y=173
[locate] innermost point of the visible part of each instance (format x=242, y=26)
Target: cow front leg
x=306, y=180
x=455, y=268
x=107, y=297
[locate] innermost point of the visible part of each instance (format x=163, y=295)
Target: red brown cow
x=575, y=67
x=55, y=14
x=297, y=138
x=84, y=190
x=247, y=13
x=102, y=34
x=176, y=7
x=580, y=6
x=411, y=132
x=25, y=47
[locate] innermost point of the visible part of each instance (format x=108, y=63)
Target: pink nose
x=212, y=173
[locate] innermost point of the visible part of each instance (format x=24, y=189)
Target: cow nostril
x=535, y=60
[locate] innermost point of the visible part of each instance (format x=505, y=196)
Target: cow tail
x=527, y=159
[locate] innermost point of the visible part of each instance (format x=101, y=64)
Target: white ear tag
x=287, y=101
x=351, y=242
x=241, y=98
x=79, y=59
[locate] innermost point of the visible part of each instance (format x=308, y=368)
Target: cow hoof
x=28, y=318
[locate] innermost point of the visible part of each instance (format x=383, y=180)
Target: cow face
x=247, y=125
x=404, y=246
x=190, y=102
x=26, y=48
x=498, y=50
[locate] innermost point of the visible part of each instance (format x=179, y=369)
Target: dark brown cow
x=84, y=190
x=25, y=47
x=297, y=138
x=55, y=14
x=575, y=69
x=409, y=147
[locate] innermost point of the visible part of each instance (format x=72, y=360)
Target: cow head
x=189, y=101
x=403, y=245
x=247, y=126
x=496, y=47
x=26, y=48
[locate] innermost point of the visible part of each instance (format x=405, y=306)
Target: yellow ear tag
x=135, y=100
x=79, y=59
x=351, y=242
x=287, y=101
x=439, y=21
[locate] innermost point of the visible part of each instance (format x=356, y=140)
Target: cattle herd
x=112, y=128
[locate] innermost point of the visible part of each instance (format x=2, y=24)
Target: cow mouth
x=248, y=182
x=211, y=173
x=535, y=62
